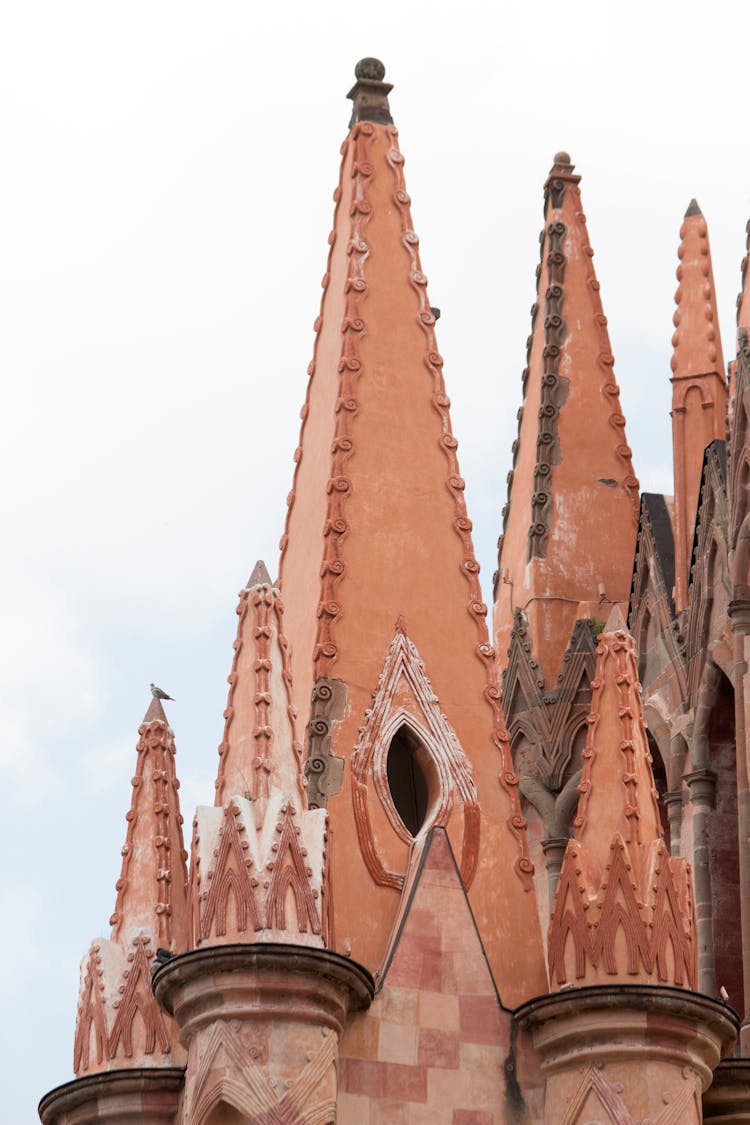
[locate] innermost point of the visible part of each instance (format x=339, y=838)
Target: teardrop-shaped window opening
x=408, y=781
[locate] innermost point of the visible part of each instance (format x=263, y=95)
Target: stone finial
x=370, y=93
x=696, y=340
x=562, y=170
x=119, y=1025
x=259, y=750
x=623, y=909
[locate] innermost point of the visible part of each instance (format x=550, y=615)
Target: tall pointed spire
x=119, y=1025
x=377, y=531
x=572, y=513
x=259, y=750
x=698, y=386
x=623, y=908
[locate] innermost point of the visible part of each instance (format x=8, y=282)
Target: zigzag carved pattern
x=260, y=897
x=253, y=1091
x=91, y=1013
x=610, y=1099
x=554, y=715
x=290, y=869
x=230, y=877
x=137, y=999
x=652, y=921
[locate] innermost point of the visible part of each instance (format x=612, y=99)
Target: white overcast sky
x=165, y=193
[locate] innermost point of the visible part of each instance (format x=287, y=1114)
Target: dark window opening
x=406, y=780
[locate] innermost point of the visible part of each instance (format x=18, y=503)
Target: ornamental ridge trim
x=554, y=392
x=353, y=326
x=284, y=541
x=369, y=762
x=462, y=525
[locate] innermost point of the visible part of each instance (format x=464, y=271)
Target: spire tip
x=259, y=576
x=370, y=93
x=693, y=209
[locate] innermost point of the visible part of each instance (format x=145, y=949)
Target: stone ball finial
x=562, y=158
x=371, y=70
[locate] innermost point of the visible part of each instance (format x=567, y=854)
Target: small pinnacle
x=616, y=622
x=259, y=577
x=693, y=208
x=155, y=712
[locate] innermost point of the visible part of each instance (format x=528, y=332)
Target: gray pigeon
x=159, y=694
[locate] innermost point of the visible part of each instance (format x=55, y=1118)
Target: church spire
x=259, y=750
x=572, y=512
x=698, y=386
x=119, y=1024
x=380, y=583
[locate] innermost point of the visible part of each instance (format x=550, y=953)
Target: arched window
x=407, y=780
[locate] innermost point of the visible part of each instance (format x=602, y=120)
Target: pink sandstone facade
x=455, y=873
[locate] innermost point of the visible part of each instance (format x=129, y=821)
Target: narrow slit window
x=406, y=780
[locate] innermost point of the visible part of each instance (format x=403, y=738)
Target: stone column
x=262, y=1024
x=727, y=1100
x=119, y=1097
x=673, y=800
x=702, y=787
x=627, y=1050
x=739, y=612
x=554, y=851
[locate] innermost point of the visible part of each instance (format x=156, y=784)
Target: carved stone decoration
x=263, y=1023
x=623, y=908
x=597, y=1093
x=119, y=1022
x=137, y=1001
x=651, y=909
x=554, y=392
x=404, y=697
x=248, y=874
x=91, y=1016
x=549, y=719
x=323, y=771
x=246, y=1084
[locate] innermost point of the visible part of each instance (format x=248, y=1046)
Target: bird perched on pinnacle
x=159, y=694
